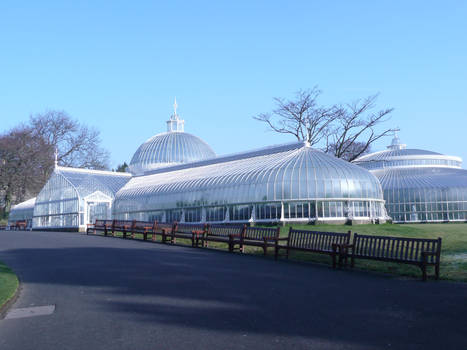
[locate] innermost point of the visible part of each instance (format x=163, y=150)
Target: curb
x=6, y=307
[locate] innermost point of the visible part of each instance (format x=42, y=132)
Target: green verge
x=8, y=284
x=453, y=254
x=453, y=250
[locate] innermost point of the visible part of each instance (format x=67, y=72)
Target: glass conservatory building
x=72, y=198
x=175, y=176
x=277, y=184
x=419, y=185
x=22, y=212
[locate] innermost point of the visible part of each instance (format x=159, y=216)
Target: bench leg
x=333, y=256
x=424, y=272
x=423, y=266
x=437, y=271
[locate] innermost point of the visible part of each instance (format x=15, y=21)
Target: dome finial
x=175, y=107
x=396, y=142
x=175, y=123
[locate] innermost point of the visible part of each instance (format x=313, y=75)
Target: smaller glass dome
x=170, y=148
x=397, y=155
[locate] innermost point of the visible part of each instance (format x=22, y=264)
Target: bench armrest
x=343, y=245
x=270, y=238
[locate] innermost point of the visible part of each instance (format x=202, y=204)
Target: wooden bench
x=259, y=237
x=421, y=252
x=21, y=225
x=100, y=225
x=167, y=232
x=223, y=234
x=123, y=226
x=330, y=243
x=142, y=227
x=189, y=231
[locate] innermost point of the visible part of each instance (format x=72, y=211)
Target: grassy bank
x=453, y=253
x=8, y=284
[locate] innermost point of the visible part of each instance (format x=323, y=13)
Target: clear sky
x=117, y=65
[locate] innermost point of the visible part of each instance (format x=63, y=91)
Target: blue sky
x=117, y=65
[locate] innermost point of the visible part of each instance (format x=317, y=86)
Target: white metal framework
x=170, y=148
x=72, y=198
x=22, y=212
x=282, y=183
x=419, y=185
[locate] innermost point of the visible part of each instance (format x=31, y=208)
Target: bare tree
x=78, y=145
x=345, y=131
x=356, y=129
x=300, y=117
x=27, y=154
x=21, y=160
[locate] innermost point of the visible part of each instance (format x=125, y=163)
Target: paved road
x=116, y=294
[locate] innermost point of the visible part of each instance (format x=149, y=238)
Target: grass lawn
x=453, y=252
x=8, y=284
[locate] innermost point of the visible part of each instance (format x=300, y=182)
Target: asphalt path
x=121, y=294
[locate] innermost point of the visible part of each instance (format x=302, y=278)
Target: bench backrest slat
x=316, y=240
x=188, y=228
x=224, y=230
x=259, y=233
x=395, y=248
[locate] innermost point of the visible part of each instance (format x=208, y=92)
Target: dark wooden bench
x=123, y=226
x=100, y=225
x=194, y=232
x=142, y=227
x=421, y=252
x=167, y=232
x=21, y=225
x=330, y=243
x=223, y=234
x=263, y=237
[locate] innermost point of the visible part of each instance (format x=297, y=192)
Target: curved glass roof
x=398, y=156
x=395, y=153
x=287, y=172
x=439, y=178
x=29, y=204
x=87, y=181
x=419, y=185
x=168, y=149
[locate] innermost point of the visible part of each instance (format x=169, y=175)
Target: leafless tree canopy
x=27, y=154
x=345, y=131
x=301, y=117
x=78, y=145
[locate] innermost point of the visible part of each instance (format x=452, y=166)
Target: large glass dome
x=419, y=185
x=170, y=148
